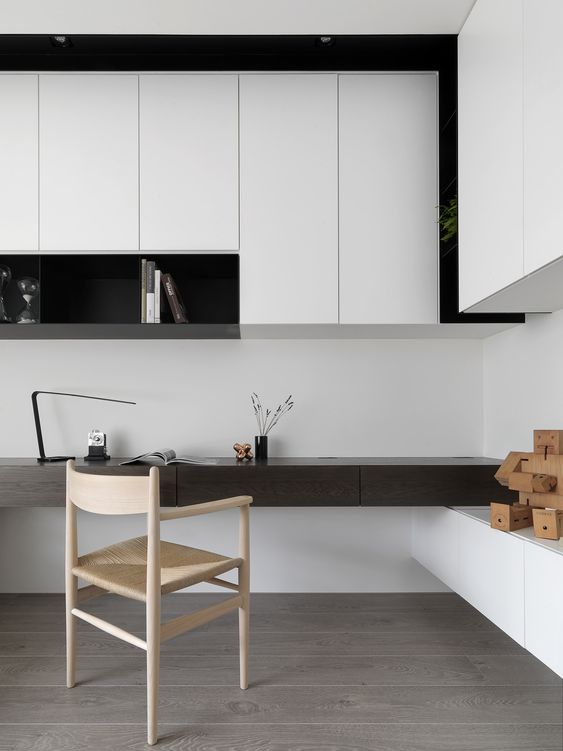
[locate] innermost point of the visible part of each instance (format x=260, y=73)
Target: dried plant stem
x=268, y=420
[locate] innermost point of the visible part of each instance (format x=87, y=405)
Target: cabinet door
x=388, y=196
x=490, y=172
x=18, y=162
x=543, y=132
x=288, y=193
x=544, y=605
x=491, y=574
x=189, y=162
x=89, y=198
x=435, y=542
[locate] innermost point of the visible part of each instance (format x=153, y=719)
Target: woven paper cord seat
x=122, y=568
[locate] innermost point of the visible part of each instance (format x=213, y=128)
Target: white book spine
x=157, y=296
x=150, y=291
x=150, y=307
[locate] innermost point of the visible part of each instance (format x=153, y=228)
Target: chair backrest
x=108, y=494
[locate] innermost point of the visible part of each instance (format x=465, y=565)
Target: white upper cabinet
x=189, y=162
x=88, y=158
x=543, y=132
x=18, y=163
x=289, y=201
x=388, y=197
x=490, y=150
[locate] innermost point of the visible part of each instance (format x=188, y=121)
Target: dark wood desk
x=298, y=482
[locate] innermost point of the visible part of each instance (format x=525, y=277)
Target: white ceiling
x=233, y=16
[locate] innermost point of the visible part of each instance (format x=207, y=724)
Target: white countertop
x=483, y=515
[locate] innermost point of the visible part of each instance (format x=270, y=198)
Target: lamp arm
x=38, y=431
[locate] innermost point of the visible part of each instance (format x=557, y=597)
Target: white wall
x=523, y=370
x=352, y=398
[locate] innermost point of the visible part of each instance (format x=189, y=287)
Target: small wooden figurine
x=243, y=451
x=537, y=475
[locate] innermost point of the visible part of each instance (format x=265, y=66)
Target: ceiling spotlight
x=325, y=41
x=61, y=40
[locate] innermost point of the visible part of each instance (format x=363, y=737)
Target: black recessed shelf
x=98, y=296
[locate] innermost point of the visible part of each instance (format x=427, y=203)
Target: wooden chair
x=147, y=567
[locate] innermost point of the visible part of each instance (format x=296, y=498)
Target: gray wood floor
x=387, y=672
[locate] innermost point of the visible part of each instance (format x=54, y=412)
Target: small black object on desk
x=35, y=394
x=97, y=451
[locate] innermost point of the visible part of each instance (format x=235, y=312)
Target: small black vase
x=261, y=448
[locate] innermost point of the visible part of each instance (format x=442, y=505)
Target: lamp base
x=42, y=459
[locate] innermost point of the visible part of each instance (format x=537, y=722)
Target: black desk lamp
x=42, y=457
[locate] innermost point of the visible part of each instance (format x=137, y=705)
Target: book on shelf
x=168, y=456
x=174, y=299
x=151, y=268
x=143, y=290
x=157, y=275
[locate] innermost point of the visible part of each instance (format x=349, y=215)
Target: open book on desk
x=168, y=456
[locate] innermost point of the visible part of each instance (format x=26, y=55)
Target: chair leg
x=243, y=625
x=153, y=670
x=71, y=596
x=244, y=591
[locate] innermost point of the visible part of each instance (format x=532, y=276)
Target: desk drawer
x=431, y=485
x=271, y=485
x=44, y=484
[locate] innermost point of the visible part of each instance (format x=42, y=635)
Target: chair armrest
x=209, y=507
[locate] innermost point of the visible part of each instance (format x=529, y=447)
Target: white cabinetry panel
x=88, y=158
x=490, y=168
x=491, y=574
x=544, y=606
x=18, y=163
x=543, y=132
x=388, y=196
x=435, y=542
x=289, y=206
x=189, y=162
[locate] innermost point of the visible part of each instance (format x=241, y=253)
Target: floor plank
x=386, y=621
x=260, y=602
x=327, y=643
x=368, y=737
x=273, y=704
x=288, y=670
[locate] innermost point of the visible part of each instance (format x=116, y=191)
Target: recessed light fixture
x=325, y=41
x=61, y=40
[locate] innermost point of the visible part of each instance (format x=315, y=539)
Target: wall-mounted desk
x=279, y=482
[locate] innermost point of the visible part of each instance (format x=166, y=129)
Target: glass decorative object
x=5, y=278
x=29, y=289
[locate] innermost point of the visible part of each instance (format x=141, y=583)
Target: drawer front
x=44, y=485
x=271, y=486
x=418, y=485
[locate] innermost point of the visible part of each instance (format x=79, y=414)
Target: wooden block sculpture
x=537, y=477
x=243, y=451
x=508, y=518
x=548, y=523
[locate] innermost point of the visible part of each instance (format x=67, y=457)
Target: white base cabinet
x=435, y=542
x=491, y=574
x=512, y=580
x=543, y=581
